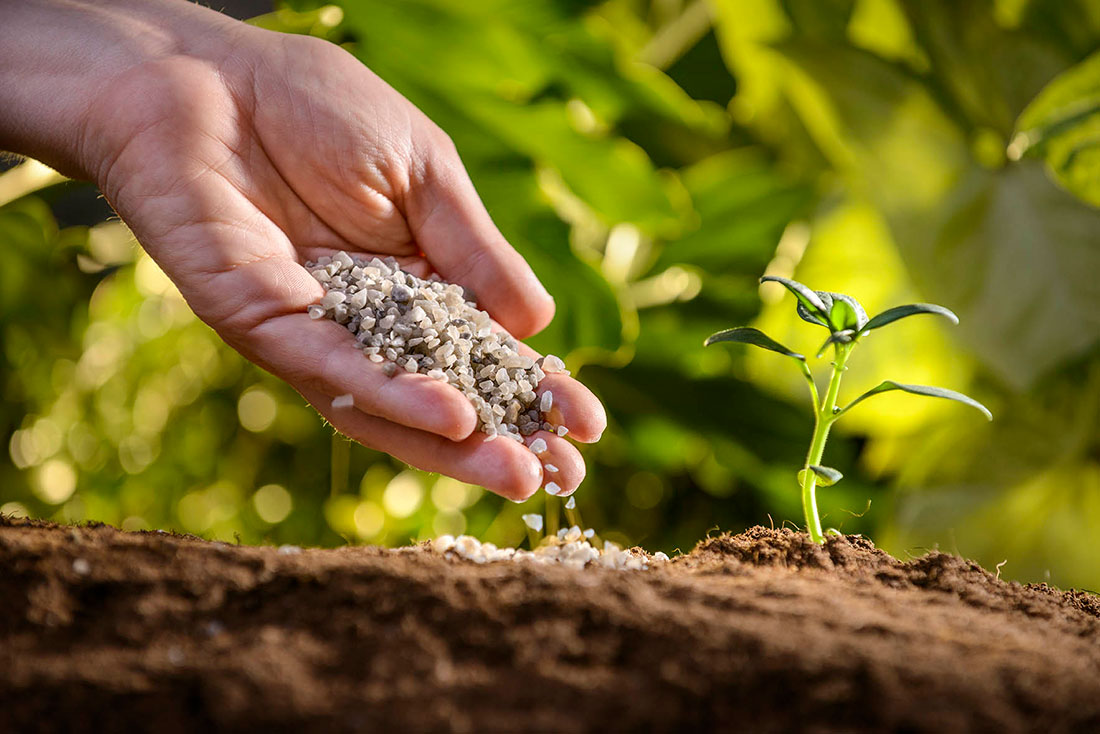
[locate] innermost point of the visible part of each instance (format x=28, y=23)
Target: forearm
x=59, y=59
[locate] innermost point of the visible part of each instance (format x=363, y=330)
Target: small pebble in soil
x=412, y=324
x=289, y=550
x=81, y=567
x=568, y=547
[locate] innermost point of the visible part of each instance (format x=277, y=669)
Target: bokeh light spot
x=644, y=490
x=403, y=495
x=257, y=409
x=449, y=523
x=54, y=482
x=272, y=503
x=450, y=494
x=369, y=519
x=13, y=509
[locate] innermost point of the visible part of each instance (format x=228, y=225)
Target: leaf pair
x=847, y=322
x=839, y=313
x=757, y=338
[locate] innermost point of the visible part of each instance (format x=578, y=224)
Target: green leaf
x=826, y=475
x=932, y=392
x=846, y=312
x=755, y=337
x=891, y=315
x=1062, y=125
x=811, y=305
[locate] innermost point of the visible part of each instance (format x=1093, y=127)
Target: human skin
x=235, y=155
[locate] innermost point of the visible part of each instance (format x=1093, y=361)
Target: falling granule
x=551, y=468
x=571, y=504
x=343, y=401
x=533, y=521
x=553, y=488
x=411, y=324
x=538, y=446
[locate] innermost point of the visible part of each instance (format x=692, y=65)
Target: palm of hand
x=235, y=173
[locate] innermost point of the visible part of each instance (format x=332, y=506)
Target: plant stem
x=339, y=464
x=823, y=421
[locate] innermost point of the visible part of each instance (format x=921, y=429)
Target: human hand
x=236, y=154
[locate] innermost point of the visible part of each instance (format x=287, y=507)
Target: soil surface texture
x=102, y=630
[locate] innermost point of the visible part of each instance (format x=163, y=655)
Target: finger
x=452, y=227
x=502, y=466
x=264, y=318
x=562, y=464
x=573, y=405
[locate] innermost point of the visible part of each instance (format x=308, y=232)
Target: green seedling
x=847, y=324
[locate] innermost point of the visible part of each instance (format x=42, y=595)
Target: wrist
x=63, y=66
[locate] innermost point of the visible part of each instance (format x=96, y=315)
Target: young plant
x=847, y=324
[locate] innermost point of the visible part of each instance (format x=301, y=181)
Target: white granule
x=538, y=446
x=568, y=547
x=431, y=327
x=343, y=401
x=552, y=488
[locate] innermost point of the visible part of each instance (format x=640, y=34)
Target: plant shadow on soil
x=763, y=631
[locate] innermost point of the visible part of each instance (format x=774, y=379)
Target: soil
x=764, y=631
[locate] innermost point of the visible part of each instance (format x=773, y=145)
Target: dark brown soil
x=109, y=631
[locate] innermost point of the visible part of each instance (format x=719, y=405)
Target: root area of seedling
x=763, y=631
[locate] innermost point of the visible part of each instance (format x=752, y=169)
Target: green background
x=651, y=160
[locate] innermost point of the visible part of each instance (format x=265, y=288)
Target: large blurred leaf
x=1062, y=125
x=743, y=204
x=502, y=76
x=985, y=72
x=1013, y=255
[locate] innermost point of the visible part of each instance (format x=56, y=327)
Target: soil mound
x=764, y=631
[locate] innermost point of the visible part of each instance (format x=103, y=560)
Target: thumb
x=453, y=229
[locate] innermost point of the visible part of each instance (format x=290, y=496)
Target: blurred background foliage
x=651, y=159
